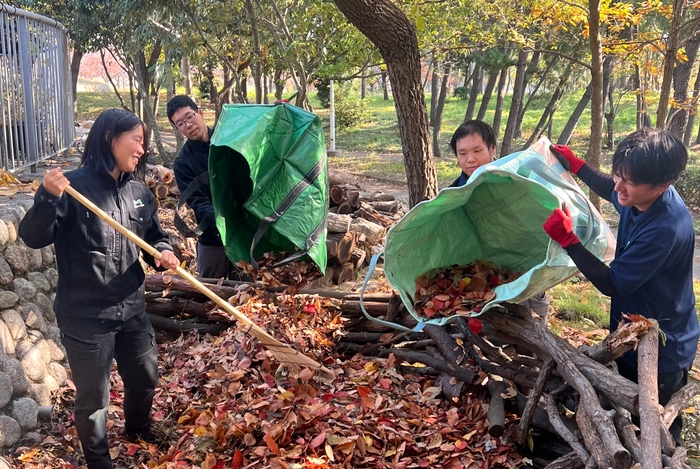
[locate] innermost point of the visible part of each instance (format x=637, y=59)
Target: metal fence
x=36, y=103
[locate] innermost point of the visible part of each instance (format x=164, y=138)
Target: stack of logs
x=516, y=360
x=161, y=181
x=357, y=224
x=524, y=368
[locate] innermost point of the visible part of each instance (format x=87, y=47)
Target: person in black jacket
x=474, y=145
x=192, y=162
x=100, y=304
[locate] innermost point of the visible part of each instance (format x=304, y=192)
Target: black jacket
x=192, y=161
x=99, y=273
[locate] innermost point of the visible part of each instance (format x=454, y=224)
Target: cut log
x=168, y=204
x=458, y=372
x=338, y=223
x=628, y=434
x=176, y=283
x=174, y=325
x=339, y=178
x=336, y=195
x=358, y=257
x=389, y=207
x=343, y=273
x=563, y=431
x=162, y=191
x=452, y=388
x=625, y=338
x=174, y=190
x=370, y=214
x=496, y=412
x=649, y=409
x=151, y=183
x=167, y=307
x=569, y=461
x=679, y=401
x=353, y=198
x=161, y=173
x=340, y=246
x=344, y=208
x=376, y=197
x=533, y=400
x=373, y=232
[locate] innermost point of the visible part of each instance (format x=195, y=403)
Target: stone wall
x=32, y=359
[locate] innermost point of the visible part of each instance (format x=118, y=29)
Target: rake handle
x=157, y=255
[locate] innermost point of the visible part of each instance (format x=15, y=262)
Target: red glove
x=559, y=227
x=566, y=157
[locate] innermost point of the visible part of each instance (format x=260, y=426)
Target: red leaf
x=363, y=391
x=475, y=326
x=318, y=441
x=270, y=442
x=132, y=449
x=237, y=462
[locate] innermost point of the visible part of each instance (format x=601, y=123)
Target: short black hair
x=650, y=156
x=474, y=127
x=110, y=124
x=178, y=102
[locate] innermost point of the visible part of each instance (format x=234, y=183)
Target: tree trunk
x=186, y=74
x=363, y=87
x=551, y=107
x=608, y=91
x=385, y=86
x=565, y=135
x=74, y=72
x=395, y=35
x=473, y=93
x=434, y=92
x=643, y=119
x=439, y=110
x=257, y=55
x=518, y=91
x=526, y=106
x=681, y=79
x=279, y=84
x=150, y=115
x=669, y=62
x=490, y=84
x=594, y=148
x=532, y=67
x=693, y=110
x=498, y=112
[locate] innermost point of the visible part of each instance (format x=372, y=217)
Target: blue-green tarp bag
x=497, y=216
x=269, y=177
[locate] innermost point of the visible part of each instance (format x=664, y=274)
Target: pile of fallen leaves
x=296, y=274
x=459, y=290
x=220, y=404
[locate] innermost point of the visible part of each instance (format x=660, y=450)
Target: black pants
x=91, y=344
x=669, y=383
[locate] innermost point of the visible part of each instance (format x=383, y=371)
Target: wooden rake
x=290, y=360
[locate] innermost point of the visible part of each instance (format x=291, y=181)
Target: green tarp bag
x=269, y=177
x=497, y=216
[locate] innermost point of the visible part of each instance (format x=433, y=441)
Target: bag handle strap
x=200, y=181
x=296, y=191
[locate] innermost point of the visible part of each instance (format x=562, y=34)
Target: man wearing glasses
x=191, y=163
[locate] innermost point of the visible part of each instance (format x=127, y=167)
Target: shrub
x=688, y=185
x=461, y=92
x=350, y=109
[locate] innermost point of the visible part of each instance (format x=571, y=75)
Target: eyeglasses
x=189, y=118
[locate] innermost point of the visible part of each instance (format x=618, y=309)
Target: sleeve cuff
x=44, y=196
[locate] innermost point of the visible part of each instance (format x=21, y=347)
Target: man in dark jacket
x=474, y=145
x=652, y=273
x=191, y=163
